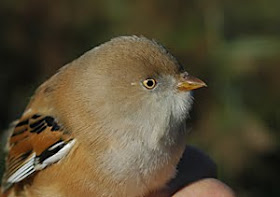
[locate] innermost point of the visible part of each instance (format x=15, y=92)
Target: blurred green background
x=233, y=45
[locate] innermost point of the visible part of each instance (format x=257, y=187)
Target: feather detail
x=36, y=142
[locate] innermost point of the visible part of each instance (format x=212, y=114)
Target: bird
x=110, y=124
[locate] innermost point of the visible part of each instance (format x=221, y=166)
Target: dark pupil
x=150, y=83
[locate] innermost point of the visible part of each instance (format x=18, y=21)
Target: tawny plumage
x=110, y=123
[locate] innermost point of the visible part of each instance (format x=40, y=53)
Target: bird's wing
x=36, y=142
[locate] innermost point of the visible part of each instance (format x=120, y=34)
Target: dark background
x=233, y=45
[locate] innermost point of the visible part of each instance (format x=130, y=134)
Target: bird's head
x=135, y=82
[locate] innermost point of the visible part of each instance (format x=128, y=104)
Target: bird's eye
x=149, y=83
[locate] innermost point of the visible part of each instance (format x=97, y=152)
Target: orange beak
x=188, y=82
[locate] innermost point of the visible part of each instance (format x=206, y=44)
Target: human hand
x=206, y=187
x=196, y=177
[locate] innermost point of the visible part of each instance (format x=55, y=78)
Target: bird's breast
x=141, y=168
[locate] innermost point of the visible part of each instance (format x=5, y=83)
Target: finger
x=193, y=166
x=206, y=187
